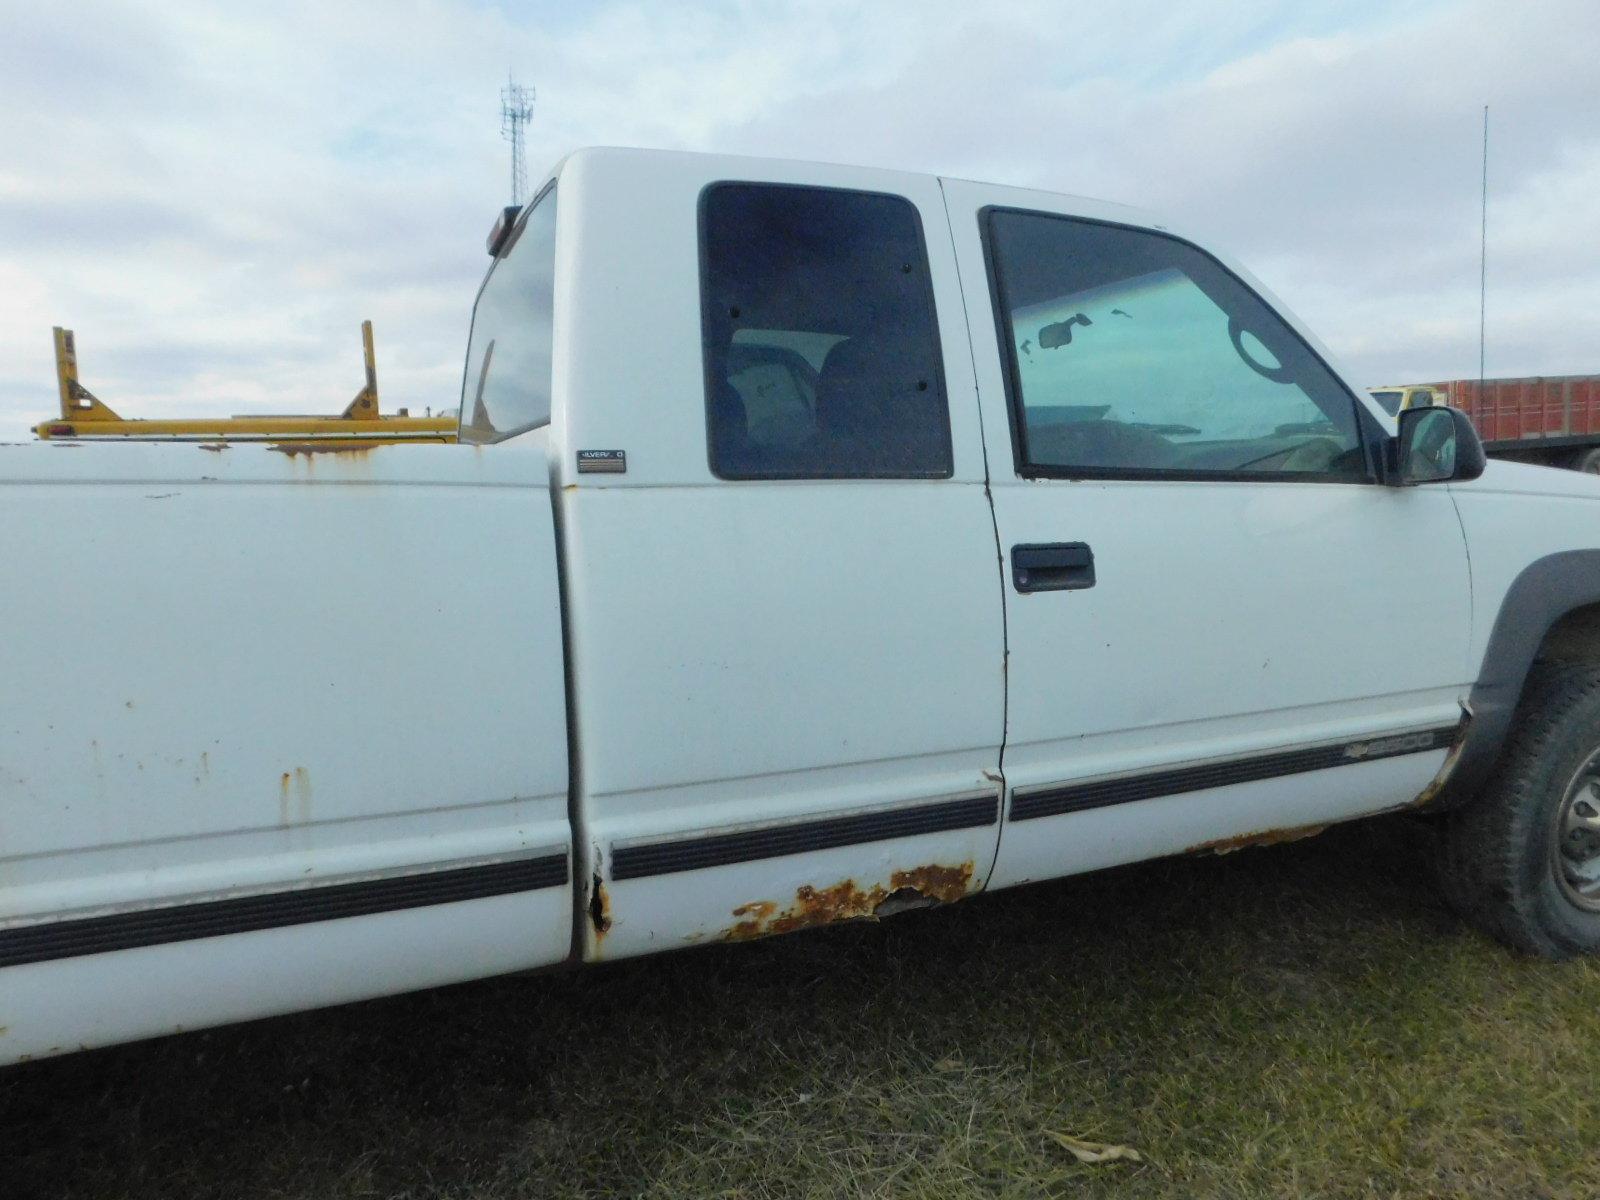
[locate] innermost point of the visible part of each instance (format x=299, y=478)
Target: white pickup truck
x=826, y=541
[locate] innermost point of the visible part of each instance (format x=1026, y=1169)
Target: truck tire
x=1587, y=460
x=1522, y=860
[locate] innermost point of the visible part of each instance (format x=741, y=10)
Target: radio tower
x=516, y=110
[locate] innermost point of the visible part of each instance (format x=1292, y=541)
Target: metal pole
x=1483, y=254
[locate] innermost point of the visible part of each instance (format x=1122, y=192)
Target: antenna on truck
x=516, y=110
x=1483, y=251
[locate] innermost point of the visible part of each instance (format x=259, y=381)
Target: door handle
x=1052, y=567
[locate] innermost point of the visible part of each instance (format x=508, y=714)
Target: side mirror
x=1436, y=444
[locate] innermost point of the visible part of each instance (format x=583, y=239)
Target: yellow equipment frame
x=85, y=417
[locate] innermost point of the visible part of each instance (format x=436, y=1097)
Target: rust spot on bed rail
x=918, y=887
x=353, y=449
x=1264, y=837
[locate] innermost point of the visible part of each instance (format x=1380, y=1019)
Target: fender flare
x=1547, y=589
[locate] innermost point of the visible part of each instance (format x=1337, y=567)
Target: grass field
x=1300, y=1021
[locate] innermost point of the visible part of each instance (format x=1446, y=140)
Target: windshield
x=1389, y=400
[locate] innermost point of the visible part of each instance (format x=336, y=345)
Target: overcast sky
x=214, y=196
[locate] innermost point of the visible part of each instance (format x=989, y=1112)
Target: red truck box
x=1556, y=417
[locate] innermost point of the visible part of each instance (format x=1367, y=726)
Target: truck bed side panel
x=287, y=728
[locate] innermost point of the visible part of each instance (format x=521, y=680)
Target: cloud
x=215, y=201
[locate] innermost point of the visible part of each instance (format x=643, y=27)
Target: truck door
x=785, y=612
x=1219, y=626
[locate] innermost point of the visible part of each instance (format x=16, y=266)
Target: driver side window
x=1133, y=354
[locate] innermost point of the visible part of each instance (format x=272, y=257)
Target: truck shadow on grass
x=1302, y=1019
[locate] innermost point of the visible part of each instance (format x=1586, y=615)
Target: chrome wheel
x=1575, y=855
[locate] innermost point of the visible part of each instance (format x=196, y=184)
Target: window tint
x=1136, y=354
x=507, y=386
x=821, y=356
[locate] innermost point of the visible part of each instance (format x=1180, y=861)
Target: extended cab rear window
x=506, y=390
x=822, y=358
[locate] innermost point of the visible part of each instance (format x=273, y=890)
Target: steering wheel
x=1278, y=374
x=1314, y=455
x=1101, y=444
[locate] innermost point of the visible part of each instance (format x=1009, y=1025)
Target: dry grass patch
x=1301, y=1021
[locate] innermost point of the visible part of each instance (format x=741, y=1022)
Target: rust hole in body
x=940, y=884
x=599, y=908
x=1447, y=768
x=917, y=887
x=1264, y=837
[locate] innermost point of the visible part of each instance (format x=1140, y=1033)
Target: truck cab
x=820, y=541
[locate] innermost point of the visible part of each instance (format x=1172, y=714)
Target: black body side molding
x=801, y=837
x=163, y=924
x=1058, y=800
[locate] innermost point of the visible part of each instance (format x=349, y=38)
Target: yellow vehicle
x=1398, y=396
x=85, y=417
